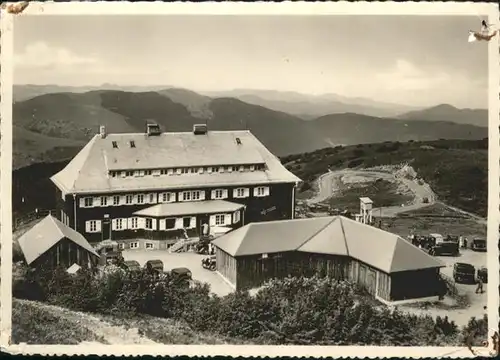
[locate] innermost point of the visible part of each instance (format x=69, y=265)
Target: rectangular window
x=150, y=246
x=218, y=194
x=115, y=144
x=169, y=224
x=184, y=170
x=261, y=191
x=242, y=168
x=93, y=226
x=186, y=222
x=116, y=200
x=148, y=172
x=196, y=195
x=167, y=197
x=240, y=193
x=252, y=167
x=200, y=170
x=121, y=246
x=192, y=170
x=129, y=173
x=104, y=201
x=236, y=217
x=88, y=201
x=113, y=173
x=149, y=224
x=186, y=196
x=140, y=199
x=134, y=223
x=134, y=245
x=220, y=219
x=152, y=198
x=129, y=199
x=163, y=171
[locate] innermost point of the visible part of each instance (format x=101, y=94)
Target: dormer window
x=132, y=143
x=115, y=144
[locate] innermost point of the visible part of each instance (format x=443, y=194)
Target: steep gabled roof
x=328, y=235
x=47, y=233
x=88, y=171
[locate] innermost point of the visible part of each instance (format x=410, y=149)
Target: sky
x=412, y=60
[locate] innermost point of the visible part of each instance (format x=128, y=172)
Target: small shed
x=50, y=243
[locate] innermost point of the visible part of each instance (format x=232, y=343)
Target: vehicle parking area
x=189, y=260
x=449, y=307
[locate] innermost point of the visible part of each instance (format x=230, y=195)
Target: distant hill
x=76, y=117
x=445, y=112
x=361, y=129
x=312, y=106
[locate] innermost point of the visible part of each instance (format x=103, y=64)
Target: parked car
x=445, y=248
x=482, y=274
x=452, y=238
x=182, y=274
x=464, y=273
x=436, y=238
x=209, y=263
x=478, y=245
x=154, y=267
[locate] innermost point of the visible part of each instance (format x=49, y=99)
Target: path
x=329, y=184
x=110, y=334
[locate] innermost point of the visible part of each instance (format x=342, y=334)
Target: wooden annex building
x=50, y=243
x=384, y=263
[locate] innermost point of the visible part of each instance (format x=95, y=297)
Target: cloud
x=406, y=76
x=41, y=55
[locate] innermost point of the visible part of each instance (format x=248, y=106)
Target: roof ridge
x=345, y=237
x=244, y=233
x=314, y=234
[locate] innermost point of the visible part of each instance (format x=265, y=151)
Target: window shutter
x=110, y=200
x=235, y=193
x=178, y=223
x=247, y=192
x=179, y=171
x=228, y=219
x=192, y=225
x=212, y=194
x=224, y=194
x=98, y=226
x=212, y=220
x=87, y=226
x=153, y=223
x=255, y=192
x=266, y=191
x=209, y=170
x=129, y=222
x=123, y=199
x=202, y=195
x=161, y=224
x=82, y=202
x=134, y=199
x=141, y=223
x=113, y=224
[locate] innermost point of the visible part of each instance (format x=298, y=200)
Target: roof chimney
x=102, y=131
x=153, y=129
x=200, y=129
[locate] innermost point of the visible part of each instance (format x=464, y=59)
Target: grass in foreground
x=33, y=324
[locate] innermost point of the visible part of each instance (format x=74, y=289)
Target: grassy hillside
x=352, y=129
x=457, y=170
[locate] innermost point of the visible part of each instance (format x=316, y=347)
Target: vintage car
x=464, y=273
x=478, y=245
x=209, y=262
x=182, y=275
x=154, y=267
x=445, y=248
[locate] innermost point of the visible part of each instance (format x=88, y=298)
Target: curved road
x=328, y=186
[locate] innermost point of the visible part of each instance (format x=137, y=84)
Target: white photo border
x=489, y=10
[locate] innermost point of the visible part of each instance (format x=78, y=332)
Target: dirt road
x=329, y=185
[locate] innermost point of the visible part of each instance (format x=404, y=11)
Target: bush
x=315, y=310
